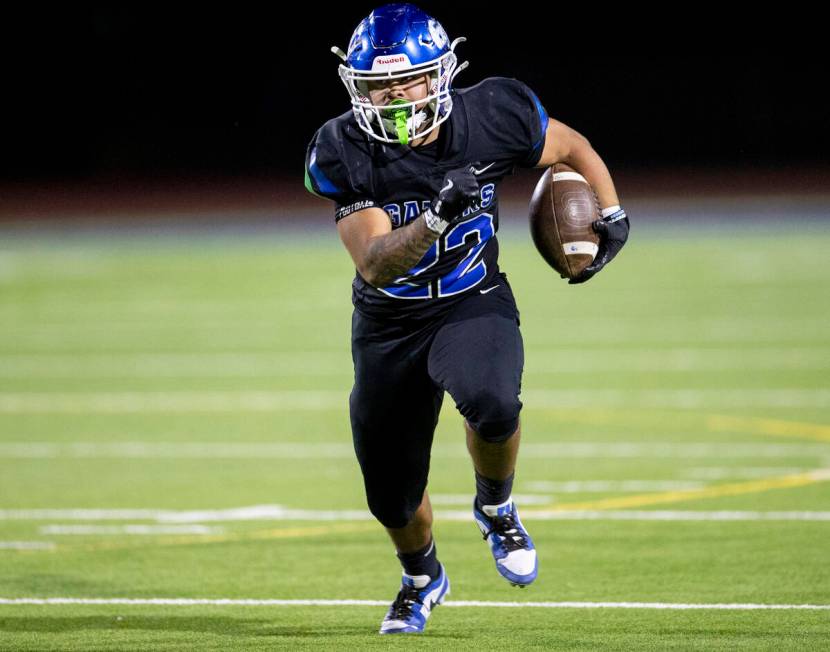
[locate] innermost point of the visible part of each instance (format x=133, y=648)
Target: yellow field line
x=622, y=502
x=776, y=427
x=711, y=422
x=717, y=491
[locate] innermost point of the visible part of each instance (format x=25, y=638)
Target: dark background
x=139, y=95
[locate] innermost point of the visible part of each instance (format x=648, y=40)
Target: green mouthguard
x=399, y=117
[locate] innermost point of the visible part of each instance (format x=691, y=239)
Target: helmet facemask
x=403, y=121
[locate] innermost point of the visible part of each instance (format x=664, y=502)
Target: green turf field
x=173, y=424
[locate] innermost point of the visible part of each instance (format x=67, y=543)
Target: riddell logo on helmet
x=385, y=62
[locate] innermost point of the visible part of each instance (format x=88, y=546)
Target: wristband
x=613, y=214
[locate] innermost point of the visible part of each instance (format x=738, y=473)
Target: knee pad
x=495, y=432
x=493, y=415
x=393, y=494
x=392, y=513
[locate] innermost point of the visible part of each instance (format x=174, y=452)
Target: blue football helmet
x=399, y=41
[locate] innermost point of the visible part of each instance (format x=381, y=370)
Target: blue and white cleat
x=509, y=542
x=416, y=599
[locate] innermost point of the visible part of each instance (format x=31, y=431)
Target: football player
x=414, y=170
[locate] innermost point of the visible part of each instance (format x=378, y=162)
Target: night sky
x=131, y=91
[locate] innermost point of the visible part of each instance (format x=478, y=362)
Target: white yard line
x=188, y=602
x=467, y=499
x=26, y=545
x=339, y=450
x=679, y=398
x=278, y=400
x=677, y=330
x=138, y=402
x=281, y=513
x=176, y=365
x=672, y=515
x=684, y=450
x=186, y=450
x=317, y=363
x=130, y=529
x=601, y=486
x=740, y=472
x=574, y=487
x=84, y=514
x=252, y=513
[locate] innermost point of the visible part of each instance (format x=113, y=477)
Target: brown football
x=562, y=209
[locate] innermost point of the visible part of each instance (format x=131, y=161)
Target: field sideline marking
x=186, y=602
x=716, y=491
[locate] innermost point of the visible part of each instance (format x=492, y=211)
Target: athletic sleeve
x=327, y=175
x=517, y=121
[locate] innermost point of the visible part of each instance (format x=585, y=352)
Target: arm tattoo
x=394, y=254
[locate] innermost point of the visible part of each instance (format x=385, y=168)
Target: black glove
x=613, y=234
x=459, y=192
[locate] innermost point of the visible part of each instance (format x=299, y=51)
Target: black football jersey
x=496, y=125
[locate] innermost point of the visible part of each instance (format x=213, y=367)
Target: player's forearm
x=588, y=163
x=393, y=254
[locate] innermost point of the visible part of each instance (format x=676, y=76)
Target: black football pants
x=474, y=352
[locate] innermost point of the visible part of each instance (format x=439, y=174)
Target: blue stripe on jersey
x=543, y=121
x=320, y=180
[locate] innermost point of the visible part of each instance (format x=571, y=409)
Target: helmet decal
x=391, y=63
x=437, y=32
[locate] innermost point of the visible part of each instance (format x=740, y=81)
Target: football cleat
x=509, y=542
x=410, y=610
